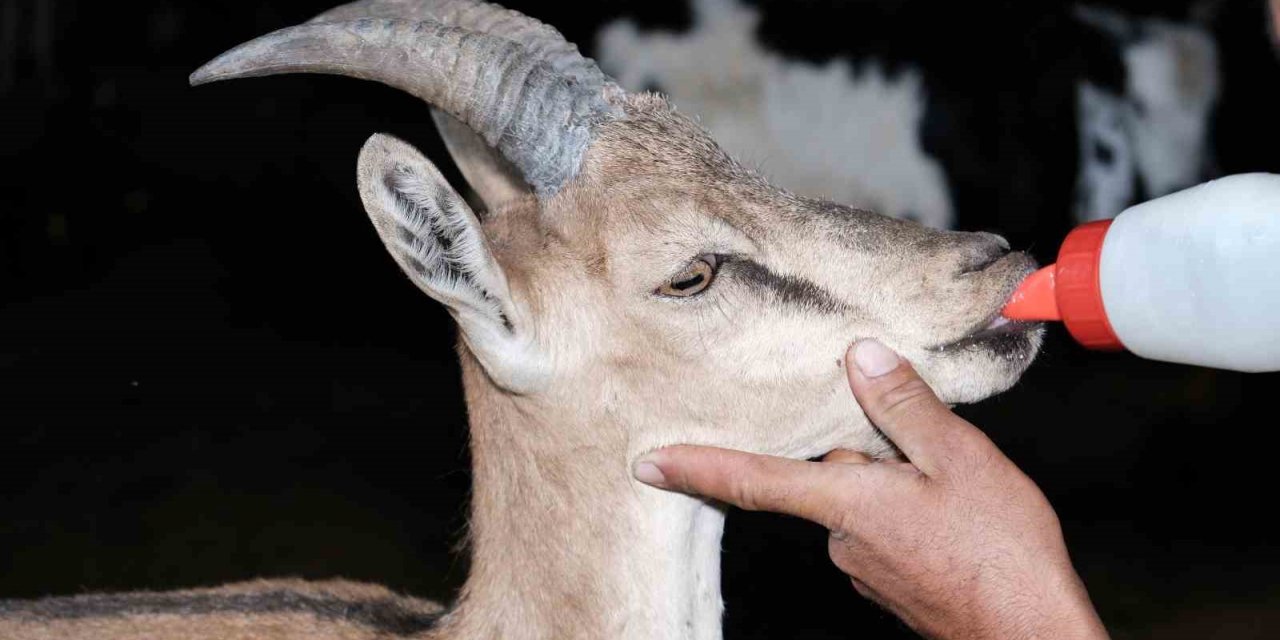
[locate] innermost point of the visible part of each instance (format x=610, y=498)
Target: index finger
x=819, y=492
x=903, y=406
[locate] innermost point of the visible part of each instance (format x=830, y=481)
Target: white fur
x=1158, y=129
x=678, y=584
x=1103, y=189
x=826, y=131
x=1173, y=78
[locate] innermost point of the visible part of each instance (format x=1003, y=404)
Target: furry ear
x=494, y=180
x=438, y=242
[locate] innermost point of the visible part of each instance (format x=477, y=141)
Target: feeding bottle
x=1192, y=277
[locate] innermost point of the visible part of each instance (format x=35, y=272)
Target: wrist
x=1050, y=604
x=1065, y=613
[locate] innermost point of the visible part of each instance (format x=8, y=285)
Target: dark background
x=198, y=383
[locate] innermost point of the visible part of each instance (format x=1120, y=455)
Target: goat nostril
x=981, y=264
x=987, y=255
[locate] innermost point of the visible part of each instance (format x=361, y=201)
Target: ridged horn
x=528, y=99
x=538, y=38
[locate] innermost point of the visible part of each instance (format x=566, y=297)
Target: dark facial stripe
x=787, y=289
x=386, y=615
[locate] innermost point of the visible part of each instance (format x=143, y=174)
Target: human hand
x=957, y=542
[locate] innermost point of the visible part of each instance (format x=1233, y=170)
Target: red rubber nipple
x=1036, y=298
x=1070, y=290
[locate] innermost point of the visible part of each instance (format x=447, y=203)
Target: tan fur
x=184, y=616
x=574, y=367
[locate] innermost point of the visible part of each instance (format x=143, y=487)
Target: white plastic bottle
x=1192, y=277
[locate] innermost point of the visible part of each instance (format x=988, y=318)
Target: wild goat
x=628, y=286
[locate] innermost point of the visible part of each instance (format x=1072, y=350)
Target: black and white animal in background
x=1151, y=135
x=874, y=118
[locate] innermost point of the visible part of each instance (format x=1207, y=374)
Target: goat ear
x=438, y=242
x=488, y=173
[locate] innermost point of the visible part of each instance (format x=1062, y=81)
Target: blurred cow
x=905, y=107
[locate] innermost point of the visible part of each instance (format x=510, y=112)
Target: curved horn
x=538, y=38
x=537, y=113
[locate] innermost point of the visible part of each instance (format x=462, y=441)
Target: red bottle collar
x=1079, y=287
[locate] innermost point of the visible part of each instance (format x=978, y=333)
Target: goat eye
x=693, y=279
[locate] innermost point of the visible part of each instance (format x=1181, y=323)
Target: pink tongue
x=1035, y=298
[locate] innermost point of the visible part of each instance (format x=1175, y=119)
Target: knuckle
x=841, y=554
x=680, y=480
x=742, y=494
x=686, y=480
x=905, y=397
x=761, y=485
x=746, y=486
x=844, y=522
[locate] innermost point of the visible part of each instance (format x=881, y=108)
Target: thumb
x=905, y=408
x=810, y=490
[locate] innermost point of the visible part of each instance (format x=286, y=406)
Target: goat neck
x=565, y=543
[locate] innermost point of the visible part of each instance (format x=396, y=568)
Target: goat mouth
x=997, y=333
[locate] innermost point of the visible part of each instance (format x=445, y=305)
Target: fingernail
x=874, y=359
x=648, y=473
